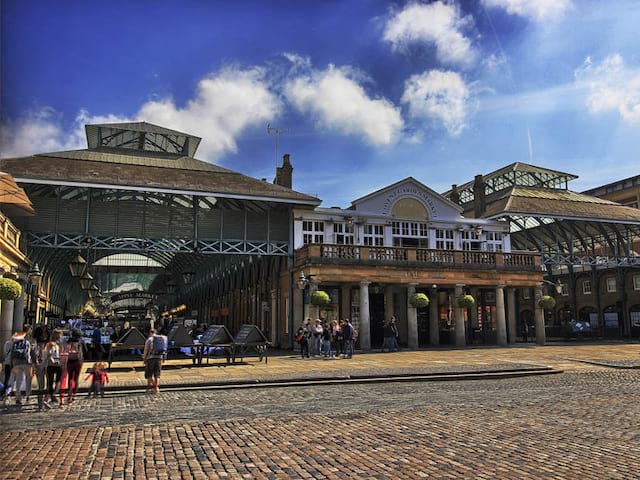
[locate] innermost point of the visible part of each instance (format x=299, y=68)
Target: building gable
x=399, y=197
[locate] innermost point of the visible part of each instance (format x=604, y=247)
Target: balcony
x=417, y=257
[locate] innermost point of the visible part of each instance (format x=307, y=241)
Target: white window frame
x=312, y=231
x=494, y=241
x=526, y=293
x=470, y=238
x=636, y=282
x=445, y=239
x=373, y=235
x=611, y=285
x=344, y=233
x=586, y=287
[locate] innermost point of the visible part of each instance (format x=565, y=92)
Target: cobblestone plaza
x=581, y=423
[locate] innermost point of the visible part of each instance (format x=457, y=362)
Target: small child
x=99, y=377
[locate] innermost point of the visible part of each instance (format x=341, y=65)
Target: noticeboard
x=250, y=334
x=179, y=337
x=216, y=334
x=133, y=336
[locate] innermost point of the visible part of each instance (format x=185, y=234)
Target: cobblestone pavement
x=581, y=424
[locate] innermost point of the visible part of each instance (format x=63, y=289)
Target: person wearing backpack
x=73, y=349
x=154, y=355
x=21, y=363
x=53, y=361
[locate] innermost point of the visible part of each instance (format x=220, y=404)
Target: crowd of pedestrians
x=55, y=364
x=329, y=340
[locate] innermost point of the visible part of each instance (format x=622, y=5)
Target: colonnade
x=505, y=313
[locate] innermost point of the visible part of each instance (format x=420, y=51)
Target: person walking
x=74, y=351
x=154, y=355
x=21, y=363
x=348, y=338
x=40, y=337
x=395, y=342
x=302, y=337
x=53, y=361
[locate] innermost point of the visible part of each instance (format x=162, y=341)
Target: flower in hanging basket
x=465, y=301
x=9, y=289
x=320, y=298
x=547, y=302
x=419, y=300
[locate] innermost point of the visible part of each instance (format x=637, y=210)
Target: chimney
x=284, y=174
x=479, y=201
x=455, y=194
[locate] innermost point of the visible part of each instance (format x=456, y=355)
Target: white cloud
x=224, y=105
x=437, y=23
x=538, y=10
x=611, y=86
x=439, y=96
x=339, y=103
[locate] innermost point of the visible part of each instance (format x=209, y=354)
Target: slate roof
x=544, y=202
x=137, y=168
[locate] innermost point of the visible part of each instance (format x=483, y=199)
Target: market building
x=588, y=246
x=135, y=228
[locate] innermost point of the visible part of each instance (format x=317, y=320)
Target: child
x=99, y=377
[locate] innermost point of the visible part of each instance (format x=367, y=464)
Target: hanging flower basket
x=320, y=298
x=419, y=300
x=547, y=302
x=465, y=301
x=9, y=289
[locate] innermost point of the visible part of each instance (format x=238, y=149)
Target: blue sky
x=367, y=92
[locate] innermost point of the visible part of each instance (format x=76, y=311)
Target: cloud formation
x=438, y=96
x=225, y=104
x=437, y=23
x=538, y=10
x=338, y=102
x=611, y=86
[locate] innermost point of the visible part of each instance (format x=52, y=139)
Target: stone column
x=313, y=310
x=434, y=327
x=6, y=322
x=412, y=319
x=501, y=321
x=365, y=327
x=539, y=317
x=460, y=329
x=345, y=304
x=18, y=311
x=512, y=325
x=388, y=302
x=297, y=313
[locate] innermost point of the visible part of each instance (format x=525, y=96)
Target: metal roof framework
x=567, y=227
x=188, y=216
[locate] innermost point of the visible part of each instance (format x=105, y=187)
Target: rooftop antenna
x=530, y=147
x=277, y=131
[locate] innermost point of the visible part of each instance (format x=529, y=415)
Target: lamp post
x=33, y=280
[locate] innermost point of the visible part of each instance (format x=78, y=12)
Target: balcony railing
x=9, y=233
x=331, y=253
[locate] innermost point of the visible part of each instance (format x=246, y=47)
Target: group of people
x=329, y=340
x=56, y=365
x=390, y=334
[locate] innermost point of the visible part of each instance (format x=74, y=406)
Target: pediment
x=405, y=196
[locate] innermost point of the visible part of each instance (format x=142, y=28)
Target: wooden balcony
x=417, y=257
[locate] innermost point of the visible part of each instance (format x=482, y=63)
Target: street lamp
x=77, y=266
x=303, y=281
x=187, y=277
x=33, y=278
x=556, y=285
x=86, y=280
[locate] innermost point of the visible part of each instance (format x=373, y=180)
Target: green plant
x=419, y=300
x=547, y=302
x=465, y=301
x=320, y=298
x=9, y=289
